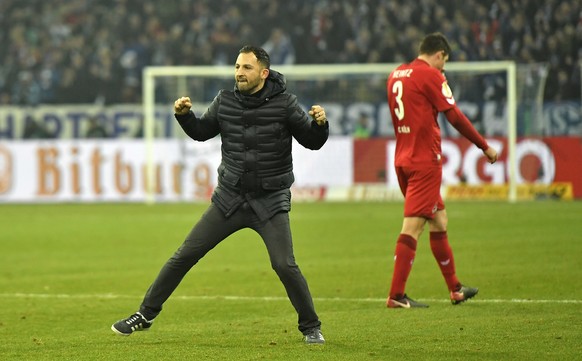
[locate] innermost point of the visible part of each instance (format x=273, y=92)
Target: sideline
x=106, y=296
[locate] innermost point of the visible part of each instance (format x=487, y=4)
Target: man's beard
x=246, y=87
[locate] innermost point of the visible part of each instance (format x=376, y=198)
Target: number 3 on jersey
x=397, y=90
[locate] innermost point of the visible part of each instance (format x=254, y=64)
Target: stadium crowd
x=93, y=51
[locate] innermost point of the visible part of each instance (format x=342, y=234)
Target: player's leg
x=441, y=250
x=443, y=254
x=420, y=193
x=404, y=254
x=276, y=234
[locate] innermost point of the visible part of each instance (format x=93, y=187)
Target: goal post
x=177, y=84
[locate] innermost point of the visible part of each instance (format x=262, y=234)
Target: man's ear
x=264, y=73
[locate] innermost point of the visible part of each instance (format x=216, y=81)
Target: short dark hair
x=262, y=56
x=433, y=43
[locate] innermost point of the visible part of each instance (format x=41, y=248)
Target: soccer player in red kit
x=417, y=92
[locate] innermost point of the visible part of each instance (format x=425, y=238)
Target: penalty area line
x=111, y=296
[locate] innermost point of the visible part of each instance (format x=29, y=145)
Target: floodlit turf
x=67, y=272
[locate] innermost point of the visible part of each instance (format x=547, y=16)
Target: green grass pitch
x=68, y=271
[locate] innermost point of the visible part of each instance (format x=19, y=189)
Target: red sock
x=403, y=259
x=439, y=244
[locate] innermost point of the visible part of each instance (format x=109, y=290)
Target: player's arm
x=464, y=126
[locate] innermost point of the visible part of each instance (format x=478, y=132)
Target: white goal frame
x=321, y=71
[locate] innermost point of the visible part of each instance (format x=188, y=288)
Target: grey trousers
x=210, y=230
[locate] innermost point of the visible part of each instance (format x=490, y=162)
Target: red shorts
x=421, y=187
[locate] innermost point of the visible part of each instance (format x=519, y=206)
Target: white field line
x=249, y=298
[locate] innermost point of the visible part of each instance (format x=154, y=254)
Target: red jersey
x=417, y=92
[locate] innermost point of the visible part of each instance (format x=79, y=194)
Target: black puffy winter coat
x=256, y=132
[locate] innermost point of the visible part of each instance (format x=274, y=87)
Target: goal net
x=502, y=100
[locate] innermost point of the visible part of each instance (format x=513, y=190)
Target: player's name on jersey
x=405, y=73
x=403, y=129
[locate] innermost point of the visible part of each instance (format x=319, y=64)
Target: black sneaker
x=135, y=322
x=463, y=294
x=313, y=336
x=404, y=302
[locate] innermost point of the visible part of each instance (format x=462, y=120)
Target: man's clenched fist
x=182, y=105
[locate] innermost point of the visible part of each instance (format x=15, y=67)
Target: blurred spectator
x=96, y=129
x=139, y=133
x=85, y=51
x=26, y=90
x=362, y=127
x=280, y=48
x=34, y=130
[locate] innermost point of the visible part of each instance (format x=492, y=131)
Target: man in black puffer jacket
x=256, y=122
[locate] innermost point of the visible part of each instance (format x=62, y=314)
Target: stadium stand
x=93, y=51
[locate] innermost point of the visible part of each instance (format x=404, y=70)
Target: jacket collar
x=274, y=84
